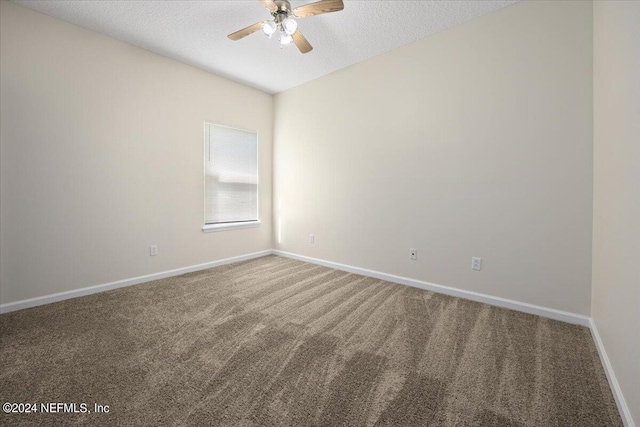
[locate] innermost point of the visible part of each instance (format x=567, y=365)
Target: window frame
x=231, y=225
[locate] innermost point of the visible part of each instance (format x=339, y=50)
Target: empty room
x=320, y=213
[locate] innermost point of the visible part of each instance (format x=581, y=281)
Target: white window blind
x=231, y=175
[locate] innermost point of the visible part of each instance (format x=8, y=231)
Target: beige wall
x=474, y=142
x=102, y=156
x=616, y=211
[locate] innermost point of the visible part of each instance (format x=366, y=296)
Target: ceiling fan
x=284, y=23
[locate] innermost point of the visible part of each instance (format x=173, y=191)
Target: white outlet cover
x=312, y=238
x=153, y=250
x=476, y=263
x=413, y=253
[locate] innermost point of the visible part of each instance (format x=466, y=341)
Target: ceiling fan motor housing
x=284, y=8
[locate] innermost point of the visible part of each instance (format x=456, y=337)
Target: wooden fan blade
x=246, y=31
x=301, y=42
x=269, y=4
x=318, y=8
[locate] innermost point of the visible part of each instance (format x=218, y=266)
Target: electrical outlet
x=153, y=250
x=312, y=238
x=413, y=254
x=476, y=263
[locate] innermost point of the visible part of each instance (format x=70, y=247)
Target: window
x=230, y=178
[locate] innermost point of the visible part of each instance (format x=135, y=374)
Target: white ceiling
x=195, y=32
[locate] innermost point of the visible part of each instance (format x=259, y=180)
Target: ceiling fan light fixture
x=284, y=24
x=285, y=39
x=268, y=28
x=290, y=26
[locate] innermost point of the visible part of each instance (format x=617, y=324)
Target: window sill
x=212, y=228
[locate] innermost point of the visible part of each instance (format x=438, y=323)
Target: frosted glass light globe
x=285, y=39
x=268, y=28
x=290, y=26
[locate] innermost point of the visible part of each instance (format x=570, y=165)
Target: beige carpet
x=274, y=341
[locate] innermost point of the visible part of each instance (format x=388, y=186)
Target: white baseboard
x=46, y=299
x=474, y=296
x=564, y=316
x=611, y=377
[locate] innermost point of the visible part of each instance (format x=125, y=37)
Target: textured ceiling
x=194, y=32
